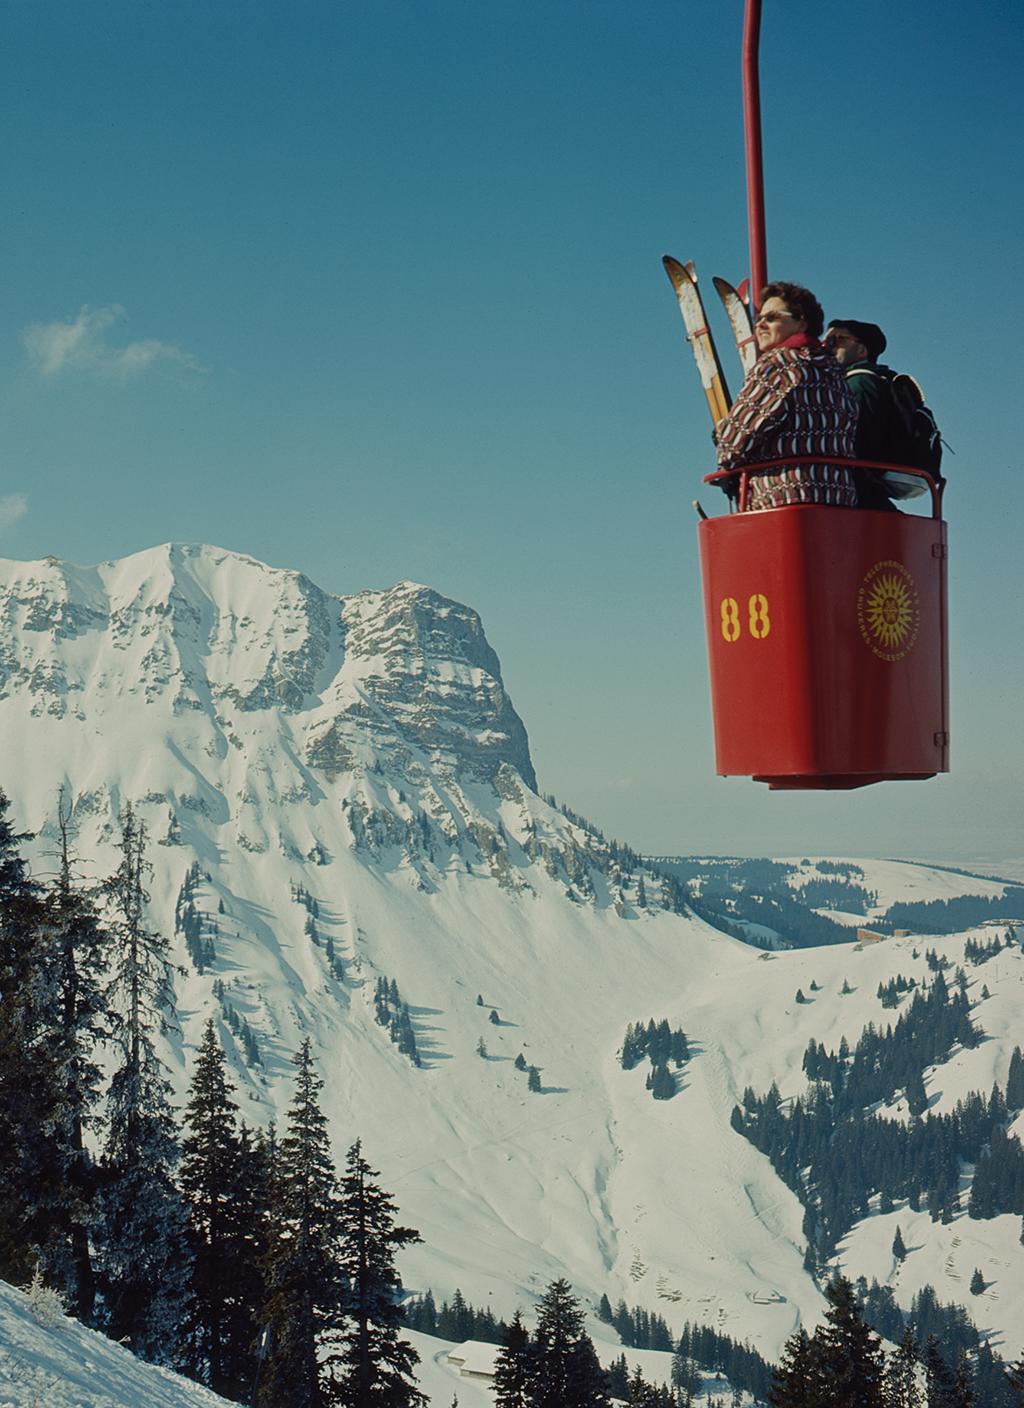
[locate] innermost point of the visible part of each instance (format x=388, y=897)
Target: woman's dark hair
x=801, y=302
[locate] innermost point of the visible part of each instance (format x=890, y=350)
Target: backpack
x=911, y=433
x=923, y=438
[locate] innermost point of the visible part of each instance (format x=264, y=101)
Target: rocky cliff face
x=215, y=632
x=429, y=685
x=241, y=705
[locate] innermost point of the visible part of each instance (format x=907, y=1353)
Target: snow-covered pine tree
x=77, y=942
x=564, y=1369
x=304, y=1277
x=225, y=1235
x=512, y=1366
x=372, y=1366
x=32, y=1163
x=143, y=1262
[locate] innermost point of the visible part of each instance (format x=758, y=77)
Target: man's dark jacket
x=881, y=429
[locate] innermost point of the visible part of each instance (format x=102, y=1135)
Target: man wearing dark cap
x=881, y=428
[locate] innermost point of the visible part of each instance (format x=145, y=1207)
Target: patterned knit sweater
x=795, y=401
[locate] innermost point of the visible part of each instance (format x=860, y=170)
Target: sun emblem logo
x=888, y=610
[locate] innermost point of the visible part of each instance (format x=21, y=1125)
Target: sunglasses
x=773, y=317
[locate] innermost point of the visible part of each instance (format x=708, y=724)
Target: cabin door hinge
x=940, y=550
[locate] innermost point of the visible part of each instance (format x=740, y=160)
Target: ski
x=736, y=302
x=698, y=335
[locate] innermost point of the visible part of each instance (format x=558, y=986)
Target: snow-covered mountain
x=356, y=790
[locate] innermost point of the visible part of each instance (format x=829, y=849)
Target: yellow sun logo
x=888, y=611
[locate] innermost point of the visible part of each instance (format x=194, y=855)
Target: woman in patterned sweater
x=795, y=401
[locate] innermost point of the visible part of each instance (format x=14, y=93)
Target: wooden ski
x=736, y=302
x=698, y=335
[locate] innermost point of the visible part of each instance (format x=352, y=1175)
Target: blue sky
x=372, y=289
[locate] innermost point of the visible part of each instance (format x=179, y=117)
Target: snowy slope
x=364, y=750
x=51, y=1361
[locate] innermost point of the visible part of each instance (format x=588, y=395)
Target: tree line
x=842, y=1365
x=836, y=1153
x=244, y=1260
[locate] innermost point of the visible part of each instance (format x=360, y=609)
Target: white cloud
x=13, y=507
x=83, y=344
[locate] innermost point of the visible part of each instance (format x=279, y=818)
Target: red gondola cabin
x=827, y=642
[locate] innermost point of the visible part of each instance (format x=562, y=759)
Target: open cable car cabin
x=826, y=634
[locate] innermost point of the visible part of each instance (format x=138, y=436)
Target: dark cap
x=870, y=334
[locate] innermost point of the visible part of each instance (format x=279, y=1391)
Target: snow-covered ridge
x=200, y=629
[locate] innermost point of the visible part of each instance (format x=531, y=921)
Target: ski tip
x=691, y=269
x=743, y=289
x=723, y=286
x=679, y=273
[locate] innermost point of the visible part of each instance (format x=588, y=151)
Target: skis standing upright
x=736, y=302
x=698, y=335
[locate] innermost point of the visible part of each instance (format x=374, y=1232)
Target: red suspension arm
x=752, y=134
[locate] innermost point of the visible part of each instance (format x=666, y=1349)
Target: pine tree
x=512, y=1367
x=1015, y=1081
x=686, y=1376
x=899, y=1247
x=663, y=1083
x=797, y=1382
x=916, y=1094
x=977, y=1282
x=32, y=1184
x=900, y=1383
x=564, y=1370
x=371, y=1364
x=964, y=1395
x=940, y=1381
x=1015, y=1379
x=303, y=1272
x=78, y=941
x=144, y=1266
x=617, y=1375
x=533, y=1079
x=848, y=1353
x=224, y=1216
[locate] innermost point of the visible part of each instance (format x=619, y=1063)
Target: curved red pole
x=752, y=135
